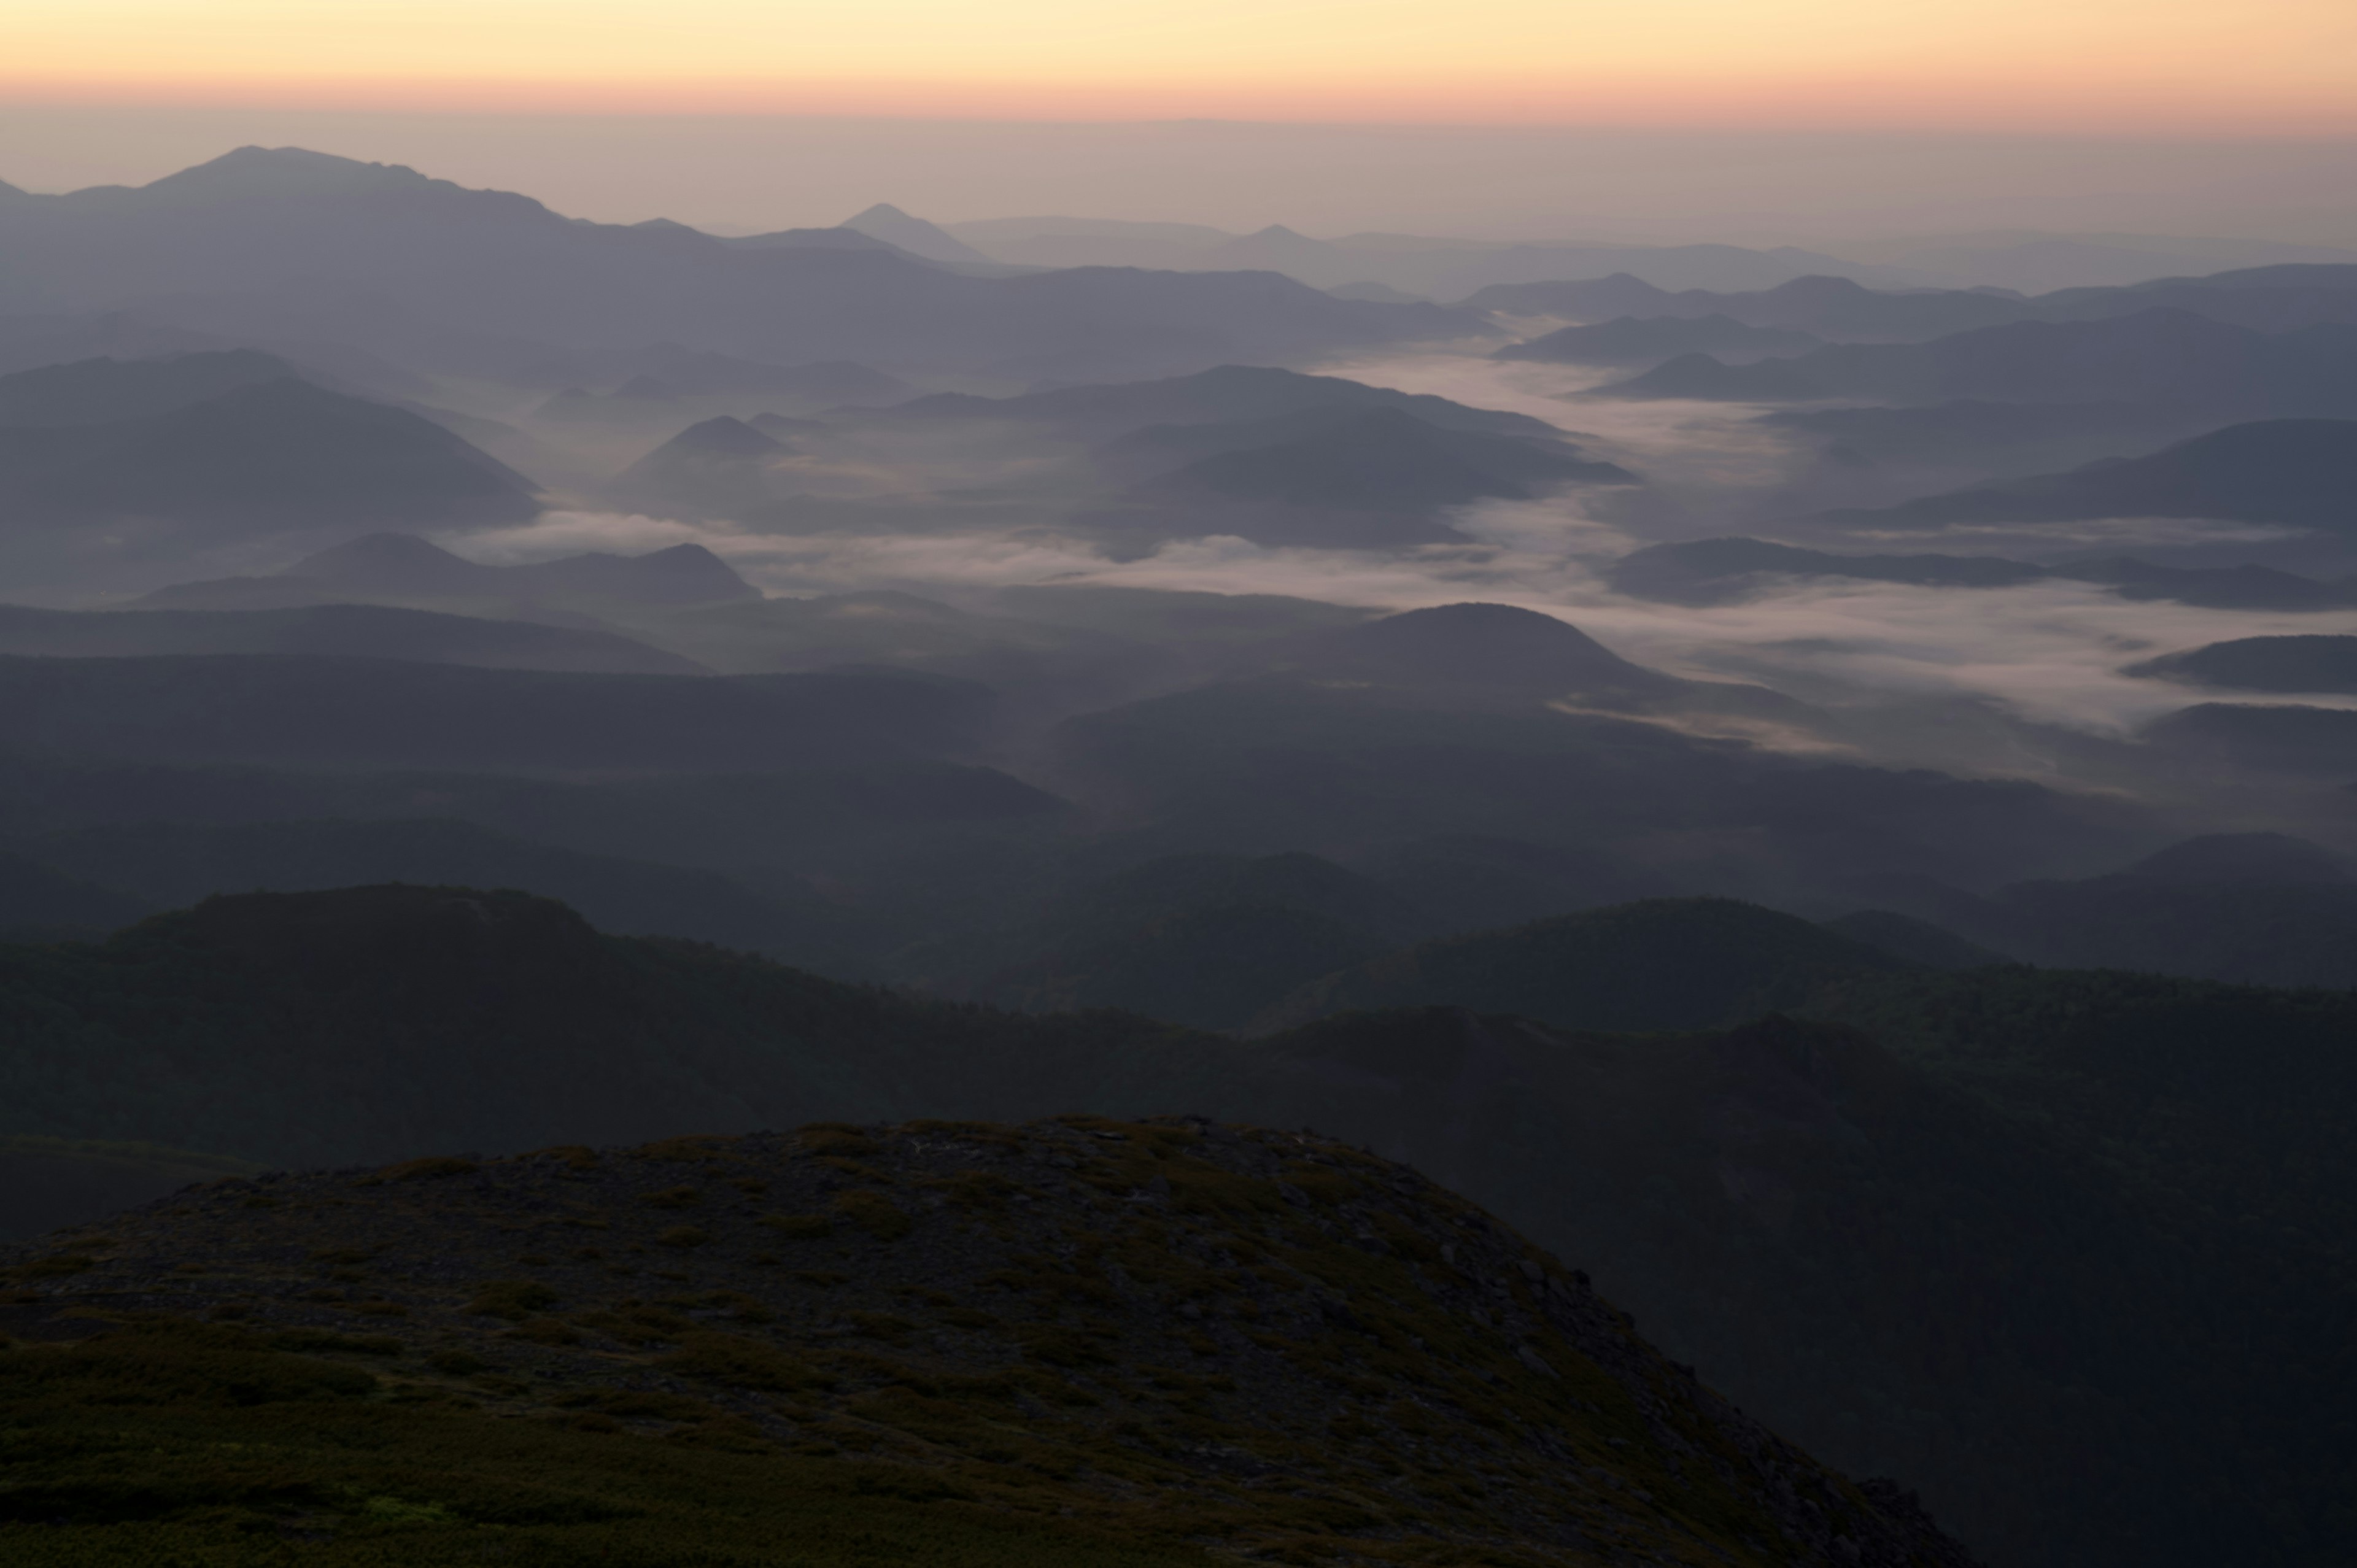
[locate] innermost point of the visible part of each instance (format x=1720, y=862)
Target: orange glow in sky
x=2262, y=66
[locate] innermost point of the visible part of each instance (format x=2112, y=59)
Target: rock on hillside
x=1169, y=1334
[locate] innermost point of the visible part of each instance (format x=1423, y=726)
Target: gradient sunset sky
x=2258, y=66
x=1748, y=121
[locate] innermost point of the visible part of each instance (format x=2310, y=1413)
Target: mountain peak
x=1477, y=644
x=886, y=222
x=288, y=171
x=724, y=437
x=253, y=172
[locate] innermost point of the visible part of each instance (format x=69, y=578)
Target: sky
x=2146, y=66
x=1748, y=121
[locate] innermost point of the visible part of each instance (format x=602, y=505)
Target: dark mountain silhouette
x=2299, y=472
x=1912, y=941
x=267, y=455
x=2262, y=664
x=1207, y=941
x=1224, y=395
x=1627, y=339
x=1372, y=478
x=338, y=631
x=367, y=253
x=897, y=850
x=392, y=713
x=1663, y=964
x=400, y=568
x=39, y=902
x=161, y=865
x=2156, y=357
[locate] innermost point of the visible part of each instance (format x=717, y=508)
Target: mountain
x=288, y=244
x=2255, y=909
x=162, y=865
x=1207, y=941
x=712, y=468
x=2268, y=299
x=1367, y=479
x=392, y=713
x=1721, y=571
x=2262, y=664
x=2266, y=739
x=914, y=235
x=39, y=902
x=838, y=865
x=2296, y=472
x=105, y=391
x=1833, y=307
x=2022, y=1201
x=652, y=381
x=1380, y=1372
x=400, y=568
x=357, y=631
x=1224, y=394
x=1982, y=437
x=1493, y=646
x=1600, y=764
x=1662, y=964
x=217, y=445
x=1627, y=339
x=2154, y=357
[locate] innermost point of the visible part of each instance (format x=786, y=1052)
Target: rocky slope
x=1075, y=1340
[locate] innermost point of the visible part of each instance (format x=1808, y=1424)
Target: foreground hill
x=1080, y=1341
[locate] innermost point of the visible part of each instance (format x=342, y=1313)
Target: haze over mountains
x=1820, y=789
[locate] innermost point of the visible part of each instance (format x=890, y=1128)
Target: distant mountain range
x=1443, y=268
x=2154, y=357
x=290, y=243
x=1840, y=309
